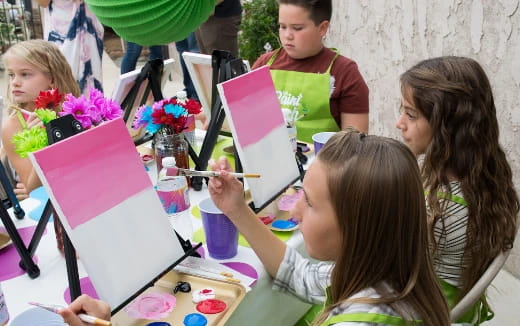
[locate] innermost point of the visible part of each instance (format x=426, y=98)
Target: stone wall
x=385, y=37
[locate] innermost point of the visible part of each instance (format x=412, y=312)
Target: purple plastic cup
x=320, y=139
x=221, y=233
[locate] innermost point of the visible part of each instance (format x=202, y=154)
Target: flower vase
x=189, y=131
x=171, y=144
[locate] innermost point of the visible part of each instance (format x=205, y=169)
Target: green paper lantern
x=152, y=22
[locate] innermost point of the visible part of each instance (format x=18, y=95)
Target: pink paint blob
x=86, y=288
x=151, y=305
x=287, y=202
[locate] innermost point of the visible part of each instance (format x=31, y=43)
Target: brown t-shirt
x=350, y=93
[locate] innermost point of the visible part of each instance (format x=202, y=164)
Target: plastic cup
x=221, y=233
x=320, y=139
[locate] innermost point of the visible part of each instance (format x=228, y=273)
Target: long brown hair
x=376, y=191
x=455, y=96
x=47, y=58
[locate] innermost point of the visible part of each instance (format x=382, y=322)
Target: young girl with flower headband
x=449, y=115
x=382, y=272
x=32, y=66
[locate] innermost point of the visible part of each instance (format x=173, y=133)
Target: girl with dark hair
x=448, y=115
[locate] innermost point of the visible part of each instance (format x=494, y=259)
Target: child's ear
x=324, y=27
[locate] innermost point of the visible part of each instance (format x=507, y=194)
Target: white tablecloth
x=261, y=306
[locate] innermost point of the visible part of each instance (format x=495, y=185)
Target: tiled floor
x=504, y=293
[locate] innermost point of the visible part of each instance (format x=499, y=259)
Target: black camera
x=62, y=127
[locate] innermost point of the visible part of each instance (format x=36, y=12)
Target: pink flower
x=80, y=108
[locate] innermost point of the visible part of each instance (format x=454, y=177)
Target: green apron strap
x=273, y=57
x=22, y=119
x=333, y=60
x=366, y=317
x=450, y=197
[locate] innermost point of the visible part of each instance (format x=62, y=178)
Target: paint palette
x=5, y=240
x=230, y=293
x=282, y=221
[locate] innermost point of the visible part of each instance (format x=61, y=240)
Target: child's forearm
x=266, y=245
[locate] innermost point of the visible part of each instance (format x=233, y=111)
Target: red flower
x=160, y=117
x=50, y=99
x=192, y=106
x=179, y=124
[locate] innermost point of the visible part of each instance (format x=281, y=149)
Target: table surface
x=261, y=306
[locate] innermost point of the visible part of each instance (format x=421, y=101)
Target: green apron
x=361, y=317
x=480, y=311
x=366, y=317
x=309, y=93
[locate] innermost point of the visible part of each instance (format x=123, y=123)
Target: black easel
x=11, y=200
x=226, y=67
x=152, y=72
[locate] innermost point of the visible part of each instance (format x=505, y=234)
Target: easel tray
x=231, y=293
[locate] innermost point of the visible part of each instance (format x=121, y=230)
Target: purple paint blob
x=287, y=202
x=86, y=288
x=283, y=225
x=9, y=257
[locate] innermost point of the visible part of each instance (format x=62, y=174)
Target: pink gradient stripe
x=254, y=106
x=94, y=171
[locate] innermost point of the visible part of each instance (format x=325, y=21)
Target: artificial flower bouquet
x=170, y=115
x=89, y=111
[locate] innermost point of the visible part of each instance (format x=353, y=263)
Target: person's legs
x=188, y=44
x=132, y=53
x=219, y=33
x=155, y=52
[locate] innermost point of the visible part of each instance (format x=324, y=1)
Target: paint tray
x=231, y=293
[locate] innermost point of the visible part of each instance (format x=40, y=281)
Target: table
x=261, y=306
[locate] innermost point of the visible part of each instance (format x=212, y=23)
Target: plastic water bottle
x=173, y=192
x=4, y=314
x=182, y=96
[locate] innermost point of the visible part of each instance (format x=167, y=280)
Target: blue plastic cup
x=320, y=139
x=221, y=233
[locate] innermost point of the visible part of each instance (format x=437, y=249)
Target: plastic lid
x=182, y=95
x=168, y=162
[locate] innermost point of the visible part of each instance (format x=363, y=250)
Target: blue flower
x=176, y=110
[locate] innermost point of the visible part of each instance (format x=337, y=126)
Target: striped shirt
x=308, y=281
x=450, y=234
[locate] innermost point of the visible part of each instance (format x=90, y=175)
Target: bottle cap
x=182, y=95
x=168, y=162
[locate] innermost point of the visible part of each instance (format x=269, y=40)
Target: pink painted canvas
x=105, y=200
x=259, y=133
x=253, y=105
x=78, y=180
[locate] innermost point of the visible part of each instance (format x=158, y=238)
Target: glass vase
x=171, y=144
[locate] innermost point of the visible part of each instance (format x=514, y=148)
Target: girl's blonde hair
x=377, y=194
x=48, y=59
x=455, y=96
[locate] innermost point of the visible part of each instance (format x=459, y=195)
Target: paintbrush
x=191, y=173
x=84, y=317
